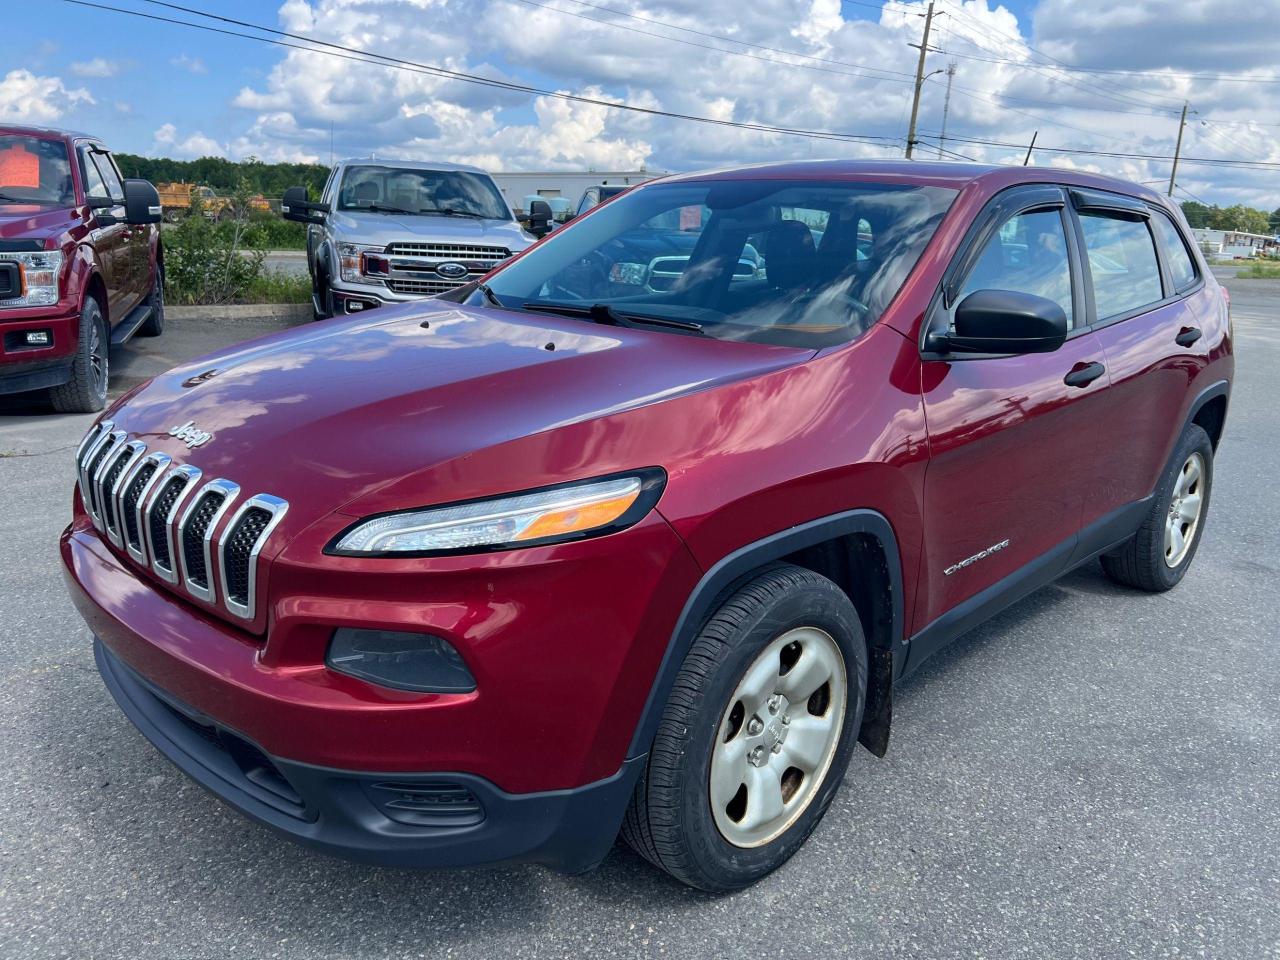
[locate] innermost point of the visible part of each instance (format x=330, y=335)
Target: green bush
x=1260, y=271
x=279, y=286
x=208, y=263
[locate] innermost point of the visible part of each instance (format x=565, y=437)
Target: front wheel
x=86, y=390
x=1156, y=558
x=154, y=325
x=756, y=734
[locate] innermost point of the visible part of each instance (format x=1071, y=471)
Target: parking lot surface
x=1095, y=773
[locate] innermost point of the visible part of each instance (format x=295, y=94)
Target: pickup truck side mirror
x=538, y=220
x=1004, y=321
x=296, y=207
x=141, y=203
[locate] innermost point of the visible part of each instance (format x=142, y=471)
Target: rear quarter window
x=1181, y=267
x=1122, y=262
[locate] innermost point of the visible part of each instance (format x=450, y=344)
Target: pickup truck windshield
x=33, y=170
x=802, y=263
x=380, y=189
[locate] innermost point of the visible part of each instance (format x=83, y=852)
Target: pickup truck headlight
x=567, y=511
x=352, y=259
x=38, y=273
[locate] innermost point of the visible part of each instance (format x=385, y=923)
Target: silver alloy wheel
x=1185, y=507
x=777, y=736
x=98, y=361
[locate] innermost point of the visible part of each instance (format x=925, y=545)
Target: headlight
x=37, y=276
x=556, y=514
x=355, y=261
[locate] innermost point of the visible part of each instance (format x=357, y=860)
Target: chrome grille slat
x=246, y=535
x=448, y=251
x=133, y=503
x=406, y=285
x=98, y=458
x=195, y=533
x=159, y=518
x=84, y=454
x=113, y=485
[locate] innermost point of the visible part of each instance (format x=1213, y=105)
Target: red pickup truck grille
x=166, y=520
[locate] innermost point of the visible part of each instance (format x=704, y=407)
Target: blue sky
x=826, y=65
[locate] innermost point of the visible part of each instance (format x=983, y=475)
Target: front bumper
x=33, y=368
x=401, y=820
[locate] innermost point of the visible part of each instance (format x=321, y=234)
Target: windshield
x=33, y=170
x=427, y=192
x=803, y=263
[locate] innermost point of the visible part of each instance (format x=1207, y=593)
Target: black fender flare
x=704, y=598
x=1220, y=388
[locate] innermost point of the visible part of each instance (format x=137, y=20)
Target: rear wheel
x=86, y=391
x=1157, y=557
x=155, y=323
x=756, y=735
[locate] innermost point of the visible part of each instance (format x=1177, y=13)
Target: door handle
x=1083, y=374
x=1187, y=336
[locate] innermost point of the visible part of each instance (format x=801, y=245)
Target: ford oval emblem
x=452, y=270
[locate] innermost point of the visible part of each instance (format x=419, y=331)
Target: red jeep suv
x=80, y=264
x=588, y=547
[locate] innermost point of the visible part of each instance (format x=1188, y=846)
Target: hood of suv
x=329, y=413
x=380, y=229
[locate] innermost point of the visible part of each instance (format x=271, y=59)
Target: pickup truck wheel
x=756, y=734
x=321, y=301
x=1157, y=557
x=155, y=323
x=86, y=391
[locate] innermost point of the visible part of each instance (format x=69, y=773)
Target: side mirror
x=296, y=207
x=1005, y=321
x=141, y=203
x=102, y=207
x=538, y=220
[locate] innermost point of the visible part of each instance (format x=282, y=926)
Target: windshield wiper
x=450, y=212
x=605, y=314
x=490, y=297
x=384, y=208
x=5, y=198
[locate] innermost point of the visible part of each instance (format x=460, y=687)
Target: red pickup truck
x=81, y=265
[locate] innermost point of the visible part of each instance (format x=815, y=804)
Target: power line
x=1212, y=161
x=1103, y=70
x=357, y=55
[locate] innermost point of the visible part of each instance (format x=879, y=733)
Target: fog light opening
x=420, y=662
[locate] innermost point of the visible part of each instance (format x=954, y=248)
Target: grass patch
x=278, y=286
x=1260, y=271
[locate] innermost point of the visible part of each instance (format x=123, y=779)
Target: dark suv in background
x=80, y=264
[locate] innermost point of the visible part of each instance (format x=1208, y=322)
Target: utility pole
x=1178, y=149
x=915, y=101
x=946, y=106
x=1031, y=146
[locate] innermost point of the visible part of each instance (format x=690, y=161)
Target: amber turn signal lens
x=584, y=517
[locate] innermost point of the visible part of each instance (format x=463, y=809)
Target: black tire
x=670, y=821
x=154, y=326
x=1141, y=561
x=86, y=391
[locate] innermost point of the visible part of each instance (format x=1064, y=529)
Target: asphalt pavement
x=1093, y=774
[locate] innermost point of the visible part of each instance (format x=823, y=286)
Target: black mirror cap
x=296, y=207
x=141, y=203
x=538, y=220
x=1007, y=321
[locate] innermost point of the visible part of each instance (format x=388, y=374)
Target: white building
x=1230, y=244
x=559, y=183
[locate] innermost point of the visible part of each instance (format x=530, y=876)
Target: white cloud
x=191, y=147
x=97, y=67
x=188, y=63
x=27, y=98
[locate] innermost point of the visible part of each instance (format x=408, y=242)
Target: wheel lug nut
x=774, y=702
x=786, y=719
x=757, y=756
x=755, y=726
x=777, y=748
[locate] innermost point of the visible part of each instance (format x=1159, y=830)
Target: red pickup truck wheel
x=86, y=391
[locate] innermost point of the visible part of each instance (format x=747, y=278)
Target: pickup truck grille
x=413, y=267
x=166, y=520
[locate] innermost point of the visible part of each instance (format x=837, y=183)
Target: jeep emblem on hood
x=451, y=270
x=189, y=435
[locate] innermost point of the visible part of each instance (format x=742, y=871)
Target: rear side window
x=1181, y=266
x=1122, y=261
x=1028, y=254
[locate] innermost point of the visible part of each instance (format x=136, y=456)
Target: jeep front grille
x=150, y=509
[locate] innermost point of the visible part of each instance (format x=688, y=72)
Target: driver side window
x=1028, y=254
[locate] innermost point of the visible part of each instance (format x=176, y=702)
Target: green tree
x=1239, y=217
x=1275, y=220
x=1197, y=214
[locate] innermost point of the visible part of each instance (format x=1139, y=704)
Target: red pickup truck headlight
x=567, y=511
x=39, y=276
